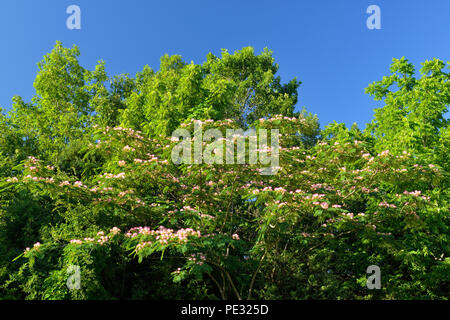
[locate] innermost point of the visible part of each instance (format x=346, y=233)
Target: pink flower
x=102, y=239
x=365, y=190
x=114, y=230
x=235, y=236
x=78, y=184
x=324, y=205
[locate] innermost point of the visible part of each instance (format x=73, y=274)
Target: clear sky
x=324, y=43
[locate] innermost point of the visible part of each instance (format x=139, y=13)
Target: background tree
x=240, y=86
x=413, y=118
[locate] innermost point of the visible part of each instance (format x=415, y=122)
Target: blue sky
x=324, y=43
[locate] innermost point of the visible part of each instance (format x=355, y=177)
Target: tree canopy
x=87, y=181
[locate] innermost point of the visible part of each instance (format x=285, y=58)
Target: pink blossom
x=114, y=230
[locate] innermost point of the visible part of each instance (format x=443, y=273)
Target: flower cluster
x=112, y=176
x=162, y=235
x=198, y=259
x=387, y=205
x=36, y=246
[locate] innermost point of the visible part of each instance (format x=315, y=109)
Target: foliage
x=87, y=180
